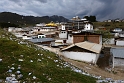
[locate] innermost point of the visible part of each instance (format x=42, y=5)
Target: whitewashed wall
x=70, y=39
x=118, y=62
x=63, y=34
x=120, y=42
x=100, y=40
x=26, y=37
x=10, y=29
x=82, y=56
x=41, y=36
x=48, y=29
x=88, y=27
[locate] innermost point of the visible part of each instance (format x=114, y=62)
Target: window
x=70, y=35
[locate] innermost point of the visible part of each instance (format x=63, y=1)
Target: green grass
x=49, y=70
x=109, y=25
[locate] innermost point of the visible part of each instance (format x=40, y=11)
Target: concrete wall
x=81, y=56
x=63, y=34
x=88, y=27
x=118, y=62
x=120, y=42
x=70, y=39
x=41, y=36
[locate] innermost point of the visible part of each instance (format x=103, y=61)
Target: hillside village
x=78, y=40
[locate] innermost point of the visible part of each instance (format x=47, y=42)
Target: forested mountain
x=8, y=17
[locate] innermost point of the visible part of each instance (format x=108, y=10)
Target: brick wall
x=82, y=38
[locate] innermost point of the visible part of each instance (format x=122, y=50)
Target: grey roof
x=88, y=46
x=41, y=40
x=117, y=52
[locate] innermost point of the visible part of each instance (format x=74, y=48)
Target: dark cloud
x=102, y=9
x=109, y=9
x=43, y=1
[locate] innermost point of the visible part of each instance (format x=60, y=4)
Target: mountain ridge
x=9, y=17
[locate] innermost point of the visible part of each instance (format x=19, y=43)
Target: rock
x=21, y=60
x=29, y=73
x=31, y=60
x=0, y=60
x=34, y=77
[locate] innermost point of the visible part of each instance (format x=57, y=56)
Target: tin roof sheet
x=41, y=40
x=87, y=45
x=117, y=52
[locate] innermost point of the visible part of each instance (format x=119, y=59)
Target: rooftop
x=87, y=45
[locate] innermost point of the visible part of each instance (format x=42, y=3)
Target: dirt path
x=91, y=69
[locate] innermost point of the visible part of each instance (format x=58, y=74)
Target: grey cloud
x=43, y=1
x=102, y=9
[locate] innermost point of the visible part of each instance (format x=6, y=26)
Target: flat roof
x=41, y=40
x=117, y=52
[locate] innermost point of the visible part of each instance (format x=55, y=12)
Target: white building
x=117, y=57
x=117, y=30
x=11, y=29
x=88, y=26
x=63, y=33
x=40, y=25
x=119, y=42
x=26, y=37
x=48, y=28
x=84, y=51
x=40, y=35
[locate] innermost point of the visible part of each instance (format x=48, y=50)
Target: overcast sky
x=102, y=9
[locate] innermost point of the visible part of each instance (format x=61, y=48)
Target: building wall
x=88, y=27
x=26, y=37
x=118, y=62
x=45, y=29
x=121, y=35
x=91, y=38
x=94, y=38
x=81, y=56
x=120, y=42
x=70, y=39
x=78, y=38
x=41, y=36
x=63, y=34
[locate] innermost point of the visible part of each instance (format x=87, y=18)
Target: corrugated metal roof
x=41, y=40
x=117, y=52
x=88, y=46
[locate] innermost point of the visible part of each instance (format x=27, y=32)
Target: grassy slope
x=109, y=25
x=49, y=70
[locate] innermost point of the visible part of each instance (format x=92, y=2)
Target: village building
x=63, y=32
x=77, y=23
x=40, y=35
x=119, y=38
x=26, y=37
x=85, y=36
x=43, y=41
x=117, y=57
x=117, y=30
x=83, y=51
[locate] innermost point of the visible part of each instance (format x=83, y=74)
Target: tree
x=106, y=35
x=91, y=18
